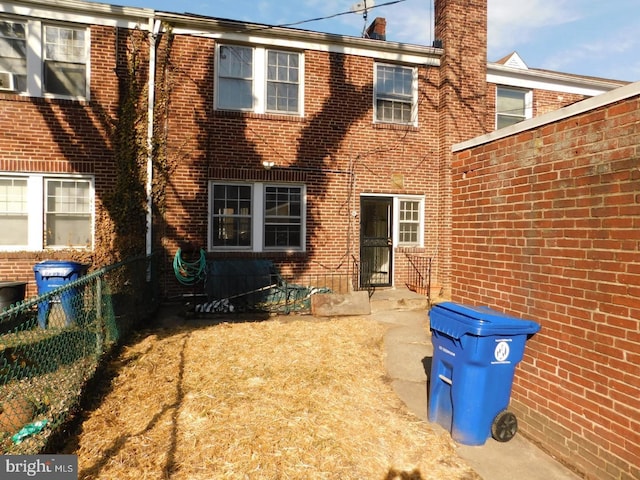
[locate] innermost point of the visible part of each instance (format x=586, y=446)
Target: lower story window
x=409, y=222
x=231, y=217
x=14, y=214
x=282, y=217
x=68, y=212
x=256, y=216
x=38, y=211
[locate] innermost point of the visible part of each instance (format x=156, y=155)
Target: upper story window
x=395, y=94
x=65, y=61
x=13, y=56
x=283, y=81
x=38, y=211
x=256, y=216
x=513, y=105
x=258, y=79
x=55, y=64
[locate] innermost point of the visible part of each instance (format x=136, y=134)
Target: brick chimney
x=461, y=31
x=461, y=26
x=377, y=30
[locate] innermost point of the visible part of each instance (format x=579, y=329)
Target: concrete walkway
x=408, y=358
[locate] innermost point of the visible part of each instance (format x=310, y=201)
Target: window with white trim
x=68, y=212
x=513, y=105
x=256, y=216
x=282, y=216
x=44, y=211
x=14, y=213
x=283, y=81
x=231, y=215
x=258, y=79
x=65, y=61
x=58, y=67
x=409, y=222
x=13, y=56
x=395, y=94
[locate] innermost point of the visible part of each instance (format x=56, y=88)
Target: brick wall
x=336, y=150
x=64, y=136
x=545, y=226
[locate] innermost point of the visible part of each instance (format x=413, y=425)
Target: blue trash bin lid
x=456, y=320
x=58, y=268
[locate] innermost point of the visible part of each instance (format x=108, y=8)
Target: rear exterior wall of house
x=335, y=150
x=545, y=227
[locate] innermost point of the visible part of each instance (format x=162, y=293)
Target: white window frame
x=35, y=56
x=396, y=98
x=258, y=218
x=259, y=80
x=293, y=219
x=396, y=222
x=36, y=209
x=419, y=222
x=520, y=116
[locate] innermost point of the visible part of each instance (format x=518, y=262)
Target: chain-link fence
x=51, y=345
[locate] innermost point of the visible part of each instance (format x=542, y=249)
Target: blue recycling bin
x=475, y=352
x=53, y=274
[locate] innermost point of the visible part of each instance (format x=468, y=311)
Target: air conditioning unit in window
x=6, y=81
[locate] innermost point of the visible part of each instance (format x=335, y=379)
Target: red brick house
x=321, y=153
x=332, y=154
x=545, y=226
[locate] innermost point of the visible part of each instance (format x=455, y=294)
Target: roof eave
x=219, y=25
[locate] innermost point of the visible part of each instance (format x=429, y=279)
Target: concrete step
x=397, y=299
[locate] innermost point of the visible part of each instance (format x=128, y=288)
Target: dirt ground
x=277, y=399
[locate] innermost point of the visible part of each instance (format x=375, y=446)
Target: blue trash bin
x=52, y=274
x=475, y=352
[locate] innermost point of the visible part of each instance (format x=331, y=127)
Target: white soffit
x=527, y=79
x=81, y=12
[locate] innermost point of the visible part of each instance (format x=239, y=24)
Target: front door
x=376, y=247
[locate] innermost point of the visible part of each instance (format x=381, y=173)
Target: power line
x=338, y=14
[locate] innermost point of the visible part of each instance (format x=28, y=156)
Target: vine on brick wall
x=126, y=204
x=162, y=166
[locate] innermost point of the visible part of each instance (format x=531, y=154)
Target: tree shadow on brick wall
x=322, y=154
x=101, y=137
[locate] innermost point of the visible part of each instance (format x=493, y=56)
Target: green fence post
x=99, y=318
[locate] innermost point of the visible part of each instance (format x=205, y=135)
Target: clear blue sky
x=600, y=38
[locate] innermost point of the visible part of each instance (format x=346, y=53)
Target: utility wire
x=338, y=14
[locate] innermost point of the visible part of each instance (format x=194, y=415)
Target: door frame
x=382, y=243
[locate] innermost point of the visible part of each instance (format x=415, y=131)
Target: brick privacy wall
x=336, y=146
x=544, y=101
x=545, y=226
x=64, y=136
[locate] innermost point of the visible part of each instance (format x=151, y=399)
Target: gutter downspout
x=154, y=28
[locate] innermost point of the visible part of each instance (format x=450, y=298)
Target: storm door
x=376, y=247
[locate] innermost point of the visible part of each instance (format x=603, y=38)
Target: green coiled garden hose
x=190, y=273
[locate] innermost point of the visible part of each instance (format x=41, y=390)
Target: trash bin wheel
x=504, y=426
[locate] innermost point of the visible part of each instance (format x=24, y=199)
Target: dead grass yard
x=277, y=399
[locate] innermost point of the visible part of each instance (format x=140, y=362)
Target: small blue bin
x=475, y=352
x=53, y=274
